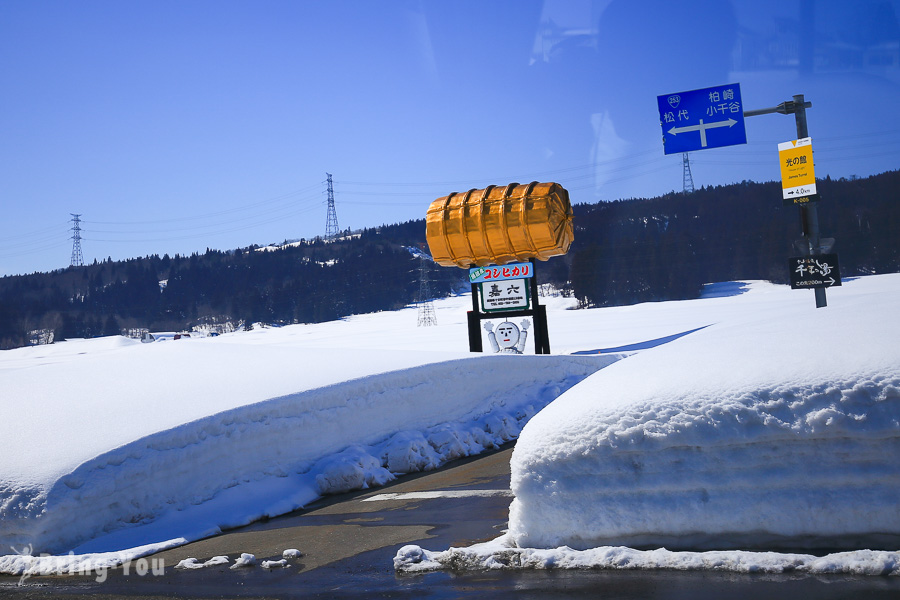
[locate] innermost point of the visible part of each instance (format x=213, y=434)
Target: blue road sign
x=699, y=119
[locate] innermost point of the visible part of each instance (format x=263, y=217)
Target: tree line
x=307, y=282
x=666, y=248
x=624, y=252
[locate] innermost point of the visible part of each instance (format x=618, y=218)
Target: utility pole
x=331, y=222
x=809, y=214
x=77, y=258
x=688, y=178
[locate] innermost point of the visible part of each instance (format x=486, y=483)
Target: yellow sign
x=798, y=180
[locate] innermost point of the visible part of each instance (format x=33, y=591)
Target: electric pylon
x=77, y=258
x=331, y=222
x=426, y=306
x=688, y=178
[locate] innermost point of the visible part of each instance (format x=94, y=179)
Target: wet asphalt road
x=348, y=543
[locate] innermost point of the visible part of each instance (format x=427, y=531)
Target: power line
x=266, y=221
x=292, y=196
x=593, y=176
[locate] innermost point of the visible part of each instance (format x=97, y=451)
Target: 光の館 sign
x=798, y=179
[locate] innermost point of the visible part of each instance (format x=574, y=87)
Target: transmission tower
x=688, y=178
x=331, y=222
x=77, y=258
x=426, y=306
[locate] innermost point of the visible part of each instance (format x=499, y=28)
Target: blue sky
x=176, y=126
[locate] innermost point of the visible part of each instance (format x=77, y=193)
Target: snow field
x=773, y=425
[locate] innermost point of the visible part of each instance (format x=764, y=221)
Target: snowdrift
x=260, y=456
x=770, y=431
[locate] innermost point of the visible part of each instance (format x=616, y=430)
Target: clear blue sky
x=173, y=126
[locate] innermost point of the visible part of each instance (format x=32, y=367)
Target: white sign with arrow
x=702, y=127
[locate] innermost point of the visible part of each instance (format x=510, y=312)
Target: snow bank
x=762, y=421
x=781, y=431
x=263, y=458
x=496, y=556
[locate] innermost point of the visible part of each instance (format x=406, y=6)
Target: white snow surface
x=765, y=431
x=778, y=427
x=499, y=555
x=745, y=419
x=110, y=444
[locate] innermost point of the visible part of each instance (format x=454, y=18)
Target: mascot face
x=507, y=335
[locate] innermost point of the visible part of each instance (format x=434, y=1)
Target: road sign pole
x=474, y=322
x=809, y=215
x=541, y=332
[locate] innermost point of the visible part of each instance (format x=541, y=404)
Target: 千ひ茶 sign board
x=508, y=294
x=816, y=271
x=798, y=179
x=699, y=119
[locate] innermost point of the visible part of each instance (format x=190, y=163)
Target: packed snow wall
x=766, y=434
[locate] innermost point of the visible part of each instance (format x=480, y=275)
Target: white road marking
x=438, y=494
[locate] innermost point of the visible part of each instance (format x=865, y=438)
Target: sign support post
x=474, y=321
x=809, y=215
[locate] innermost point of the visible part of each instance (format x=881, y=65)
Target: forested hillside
x=666, y=248
x=305, y=282
x=624, y=252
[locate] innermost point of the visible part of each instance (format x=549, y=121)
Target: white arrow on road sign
x=702, y=127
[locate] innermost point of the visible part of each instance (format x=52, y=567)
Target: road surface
x=348, y=543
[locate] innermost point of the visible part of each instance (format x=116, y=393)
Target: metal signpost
x=812, y=245
x=699, y=119
x=714, y=117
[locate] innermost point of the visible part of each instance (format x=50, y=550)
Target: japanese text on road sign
x=798, y=179
x=816, y=271
x=704, y=118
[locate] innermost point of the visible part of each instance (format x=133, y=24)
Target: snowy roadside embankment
x=259, y=457
x=777, y=433
x=779, y=430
